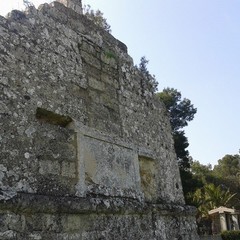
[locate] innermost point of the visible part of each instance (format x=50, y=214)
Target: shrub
x=96, y=17
x=230, y=235
x=149, y=78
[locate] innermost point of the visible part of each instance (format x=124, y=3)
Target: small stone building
x=224, y=219
x=86, y=150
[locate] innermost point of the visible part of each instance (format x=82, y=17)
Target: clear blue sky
x=193, y=46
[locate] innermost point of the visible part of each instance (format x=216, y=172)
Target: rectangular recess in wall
x=107, y=164
x=147, y=170
x=50, y=117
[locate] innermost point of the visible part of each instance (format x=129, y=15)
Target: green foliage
x=110, y=54
x=181, y=110
x=200, y=176
x=201, y=172
x=150, y=78
x=96, y=17
x=230, y=235
x=228, y=166
x=219, y=187
x=201, y=169
x=210, y=197
x=200, y=202
x=216, y=196
x=190, y=185
x=180, y=145
x=143, y=65
x=207, y=189
x=227, y=173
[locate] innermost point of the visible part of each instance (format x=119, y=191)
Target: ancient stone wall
x=86, y=149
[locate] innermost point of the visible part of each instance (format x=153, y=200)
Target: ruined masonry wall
x=86, y=150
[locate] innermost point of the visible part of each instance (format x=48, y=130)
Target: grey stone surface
x=75, y=5
x=86, y=150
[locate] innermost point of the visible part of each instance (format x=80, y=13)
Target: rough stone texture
x=86, y=149
x=75, y=5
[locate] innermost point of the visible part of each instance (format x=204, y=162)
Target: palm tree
x=206, y=199
x=199, y=200
x=216, y=196
x=210, y=197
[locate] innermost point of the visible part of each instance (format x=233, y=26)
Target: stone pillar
x=75, y=5
x=235, y=221
x=223, y=222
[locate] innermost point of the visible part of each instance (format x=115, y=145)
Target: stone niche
x=86, y=150
x=147, y=175
x=110, y=164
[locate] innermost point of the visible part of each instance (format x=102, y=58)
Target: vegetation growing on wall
x=150, y=79
x=96, y=17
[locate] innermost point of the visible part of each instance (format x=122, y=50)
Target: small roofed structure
x=224, y=218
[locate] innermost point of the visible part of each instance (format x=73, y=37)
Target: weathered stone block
x=95, y=84
x=148, y=178
x=68, y=169
x=75, y=5
x=110, y=165
x=49, y=167
x=109, y=57
x=91, y=60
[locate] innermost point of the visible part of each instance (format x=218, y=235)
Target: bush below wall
x=230, y=235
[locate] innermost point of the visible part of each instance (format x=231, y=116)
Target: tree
x=216, y=196
x=96, y=17
x=151, y=80
x=210, y=197
x=213, y=188
x=180, y=145
x=227, y=173
x=228, y=166
x=181, y=111
x=201, y=172
x=190, y=184
x=143, y=65
x=199, y=201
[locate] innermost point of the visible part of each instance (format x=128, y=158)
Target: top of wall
x=75, y=5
